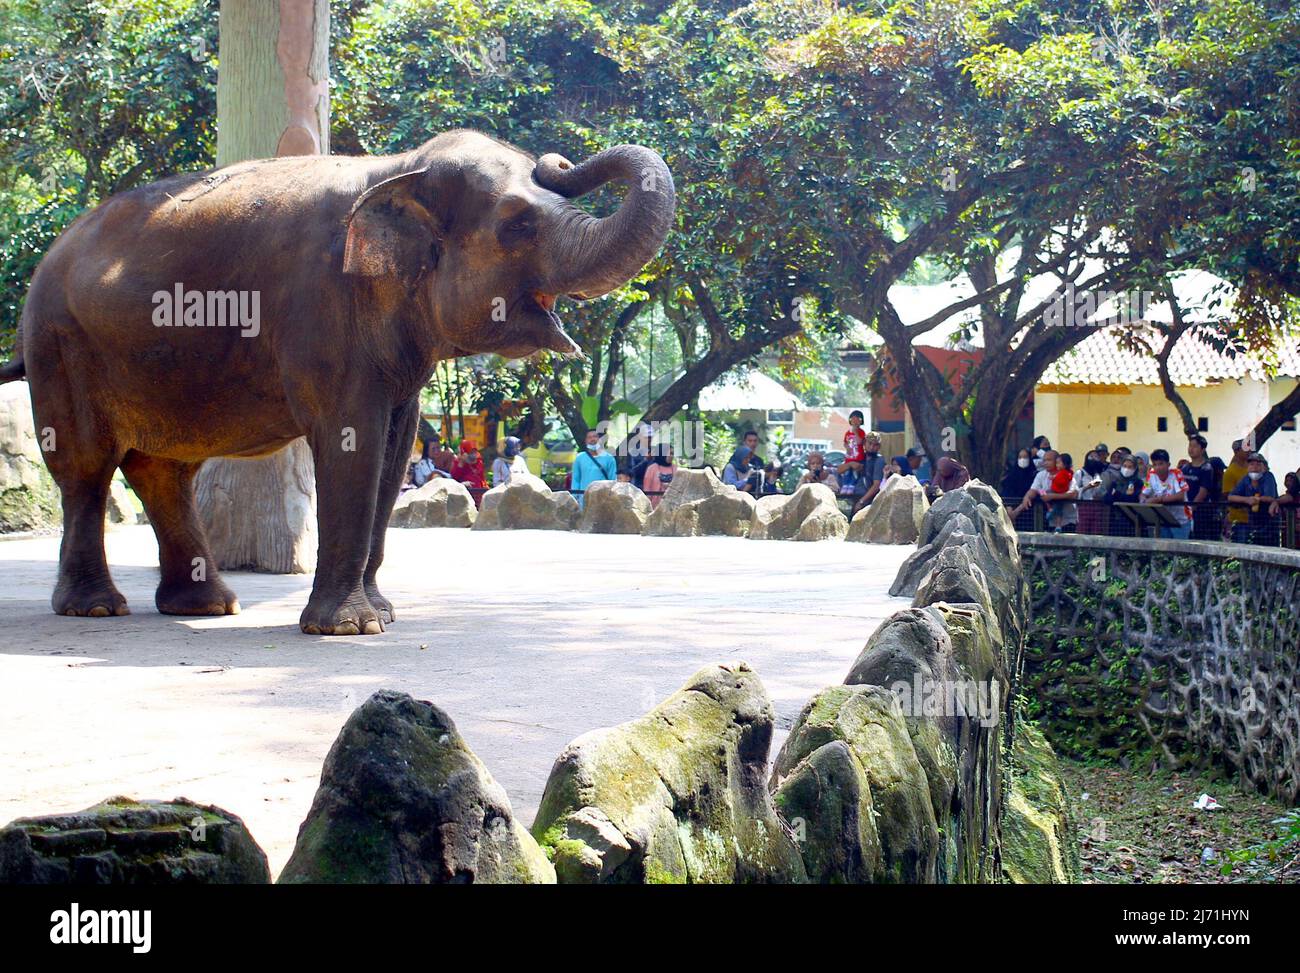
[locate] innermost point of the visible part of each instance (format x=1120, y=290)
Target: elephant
x=230, y=312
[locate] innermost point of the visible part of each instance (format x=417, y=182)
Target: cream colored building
x=1100, y=393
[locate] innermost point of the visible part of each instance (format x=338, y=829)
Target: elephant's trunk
x=593, y=256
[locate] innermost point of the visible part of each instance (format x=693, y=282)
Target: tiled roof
x=1100, y=360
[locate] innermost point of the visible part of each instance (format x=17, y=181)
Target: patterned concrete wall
x=1186, y=648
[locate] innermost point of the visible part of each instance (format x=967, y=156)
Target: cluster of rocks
x=696, y=504
x=909, y=772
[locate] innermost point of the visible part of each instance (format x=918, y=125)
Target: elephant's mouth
x=551, y=335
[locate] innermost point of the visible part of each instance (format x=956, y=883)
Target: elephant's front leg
x=349, y=454
x=397, y=457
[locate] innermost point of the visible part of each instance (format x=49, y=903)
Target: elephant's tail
x=12, y=371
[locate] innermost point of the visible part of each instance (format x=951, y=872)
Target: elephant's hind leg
x=81, y=455
x=85, y=587
x=190, y=584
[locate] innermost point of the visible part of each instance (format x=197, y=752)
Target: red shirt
x=855, y=448
x=470, y=474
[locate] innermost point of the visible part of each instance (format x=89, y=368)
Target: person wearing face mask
x=509, y=462
x=1255, y=492
x=468, y=467
x=1124, y=488
x=1088, y=481
x=591, y=465
x=1038, y=450
x=1062, y=515
x=1019, y=476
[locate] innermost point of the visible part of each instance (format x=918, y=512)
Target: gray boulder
x=698, y=504
x=853, y=789
x=973, y=517
x=526, y=503
x=441, y=502
x=609, y=507
x=894, y=516
x=120, y=509
x=29, y=500
x=403, y=800
x=809, y=514
x=128, y=842
x=955, y=577
x=944, y=663
x=676, y=796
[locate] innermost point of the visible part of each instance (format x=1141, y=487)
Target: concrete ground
x=526, y=638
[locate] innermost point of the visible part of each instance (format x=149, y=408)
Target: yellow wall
x=1075, y=421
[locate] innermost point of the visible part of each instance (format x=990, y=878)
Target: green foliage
x=95, y=97
x=1270, y=852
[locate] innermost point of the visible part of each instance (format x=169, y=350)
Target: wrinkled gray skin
x=368, y=272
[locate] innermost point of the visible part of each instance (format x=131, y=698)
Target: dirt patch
x=1140, y=827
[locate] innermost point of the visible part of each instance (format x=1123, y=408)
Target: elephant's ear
x=390, y=233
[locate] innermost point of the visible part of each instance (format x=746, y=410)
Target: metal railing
x=1214, y=521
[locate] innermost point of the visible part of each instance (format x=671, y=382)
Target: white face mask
x=1023, y=462
x=1255, y=476
x=1128, y=471
x=1041, y=453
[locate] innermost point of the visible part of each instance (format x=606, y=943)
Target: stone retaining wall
x=1187, y=649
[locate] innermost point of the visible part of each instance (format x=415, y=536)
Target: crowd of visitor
x=1201, y=496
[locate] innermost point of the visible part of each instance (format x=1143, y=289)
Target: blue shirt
x=590, y=468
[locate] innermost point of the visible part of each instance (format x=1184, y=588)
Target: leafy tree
x=96, y=96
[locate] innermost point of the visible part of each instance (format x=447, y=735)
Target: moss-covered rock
x=122, y=841
x=944, y=664
x=29, y=500
x=1039, y=842
x=676, y=796
x=403, y=800
x=973, y=517
x=853, y=790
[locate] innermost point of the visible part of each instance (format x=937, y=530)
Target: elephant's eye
x=517, y=229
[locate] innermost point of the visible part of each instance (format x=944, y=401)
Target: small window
x=1203, y=424
x=1121, y=423
x=1162, y=424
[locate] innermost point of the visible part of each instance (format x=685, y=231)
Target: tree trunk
x=1283, y=411
x=272, y=99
